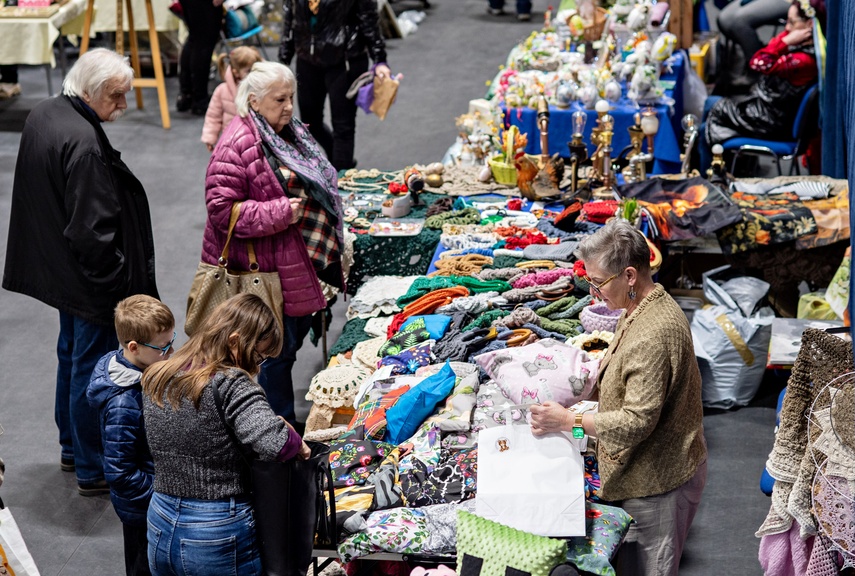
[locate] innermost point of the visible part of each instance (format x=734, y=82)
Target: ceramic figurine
x=565, y=94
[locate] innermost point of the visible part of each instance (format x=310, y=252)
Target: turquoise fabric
x=435, y=324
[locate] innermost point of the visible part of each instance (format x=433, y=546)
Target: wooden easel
x=139, y=82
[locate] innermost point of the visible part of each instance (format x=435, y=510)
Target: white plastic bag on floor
x=14, y=556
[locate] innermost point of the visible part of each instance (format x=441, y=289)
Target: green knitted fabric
x=425, y=285
x=486, y=319
x=567, y=327
x=352, y=334
x=467, y=216
x=572, y=311
x=557, y=307
x=505, y=262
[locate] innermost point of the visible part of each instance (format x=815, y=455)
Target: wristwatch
x=578, y=429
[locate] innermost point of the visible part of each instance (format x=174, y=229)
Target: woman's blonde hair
x=242, y=57
x=187, y=372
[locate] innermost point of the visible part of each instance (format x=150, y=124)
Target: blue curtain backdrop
x=838, y=135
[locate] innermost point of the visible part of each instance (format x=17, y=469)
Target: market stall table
x=666, y=143
x=30, y=40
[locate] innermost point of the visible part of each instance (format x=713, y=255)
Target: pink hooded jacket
x=221, y=109
x=239, y=172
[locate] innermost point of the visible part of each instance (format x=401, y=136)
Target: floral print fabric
x=766, y=220
x=412, y=334
x=352, y=461
x=409, y=360
x=606, y=527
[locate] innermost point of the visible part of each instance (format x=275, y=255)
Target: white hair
x=94, y=70
x=259, y=81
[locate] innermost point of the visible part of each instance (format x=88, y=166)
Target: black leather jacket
x=344, y=29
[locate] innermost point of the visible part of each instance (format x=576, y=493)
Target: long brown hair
x=188, y=371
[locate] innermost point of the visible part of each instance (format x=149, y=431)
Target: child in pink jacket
x=221, y=109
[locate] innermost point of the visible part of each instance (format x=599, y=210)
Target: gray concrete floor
x=445, y=64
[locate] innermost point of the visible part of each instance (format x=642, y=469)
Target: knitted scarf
x=301, y=154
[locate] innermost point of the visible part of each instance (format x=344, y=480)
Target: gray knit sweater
x=194, y=456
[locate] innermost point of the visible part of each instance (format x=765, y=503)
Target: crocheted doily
x=337, y=386
x=835, y=513
x=365, y=353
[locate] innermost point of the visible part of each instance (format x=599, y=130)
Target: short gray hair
x=94, y=70
x=258, y=82
x=615, y=247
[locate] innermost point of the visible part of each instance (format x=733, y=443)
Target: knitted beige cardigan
x=650, y=420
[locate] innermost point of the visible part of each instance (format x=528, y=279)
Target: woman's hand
x=305, y=452
x=210, y=147
x=799, y=37
x=549, y=417
x=295, y=209
x=382, y=71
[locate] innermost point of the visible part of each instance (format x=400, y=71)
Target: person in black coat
x=80, y=239
x=332, y=40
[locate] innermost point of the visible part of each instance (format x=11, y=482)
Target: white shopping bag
x=534, y=484
x=14, y=556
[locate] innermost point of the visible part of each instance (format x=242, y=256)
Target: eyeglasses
x=164, y=350
x=598, y=288
x=260, y=358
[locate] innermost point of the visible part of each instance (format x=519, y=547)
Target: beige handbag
x=214, y=284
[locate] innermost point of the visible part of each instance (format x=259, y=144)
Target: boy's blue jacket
x=116, y=393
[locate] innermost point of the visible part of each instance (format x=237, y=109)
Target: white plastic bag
x=534, y=484
x=14, y=556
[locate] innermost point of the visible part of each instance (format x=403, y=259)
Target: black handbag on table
x=292, y=501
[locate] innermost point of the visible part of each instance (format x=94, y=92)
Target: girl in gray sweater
x=200, y=519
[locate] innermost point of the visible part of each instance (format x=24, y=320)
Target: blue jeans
x=275, y=375
x=523, y=6
x=79, y=347
x=704, y=147
x=191, y=537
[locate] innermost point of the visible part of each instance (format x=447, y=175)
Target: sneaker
x=93, y=488
x=524, y=17
x=9, y=90
x=66, y=464
x=495, y=12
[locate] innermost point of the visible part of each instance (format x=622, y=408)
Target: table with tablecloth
x=30, y=40
x=104, y=19
x=666, y=143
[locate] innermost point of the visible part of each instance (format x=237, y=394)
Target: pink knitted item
x=785, y=554
x=542, y=278
x=599, y=317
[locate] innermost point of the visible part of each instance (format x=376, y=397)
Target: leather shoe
x=93, y=488
x=184, y=102
x=66, y=464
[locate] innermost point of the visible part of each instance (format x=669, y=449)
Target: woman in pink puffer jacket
x=291, y=211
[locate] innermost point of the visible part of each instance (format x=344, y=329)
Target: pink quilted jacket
x=239, y=172
x=221, y=109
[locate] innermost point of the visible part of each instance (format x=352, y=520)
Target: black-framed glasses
x=164, y=350
x=260, y=358
x=598, y=289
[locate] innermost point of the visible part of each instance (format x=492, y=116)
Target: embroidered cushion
x=545, y=370
x=487, y=548
x=404, y=418
x=606, y=527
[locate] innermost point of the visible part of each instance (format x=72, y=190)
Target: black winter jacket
x=80, y=235
x=344, y=29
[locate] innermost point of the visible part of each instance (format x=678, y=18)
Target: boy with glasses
x=145, y=328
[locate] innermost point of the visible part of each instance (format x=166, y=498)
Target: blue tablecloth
x=666, y=143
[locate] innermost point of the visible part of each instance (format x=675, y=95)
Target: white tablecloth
x=30, y=40
x=105, y=16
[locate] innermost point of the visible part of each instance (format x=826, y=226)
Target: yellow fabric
x=650, y=420
x=814, y=306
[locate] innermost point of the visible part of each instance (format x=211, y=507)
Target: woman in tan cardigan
x=651, y=449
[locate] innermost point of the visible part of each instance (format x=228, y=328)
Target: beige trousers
x=654, y=543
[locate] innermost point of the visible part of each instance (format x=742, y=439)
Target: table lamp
x=691, y=127
x=578, y=148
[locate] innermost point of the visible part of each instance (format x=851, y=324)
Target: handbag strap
x=250, y=249
x=233, y=218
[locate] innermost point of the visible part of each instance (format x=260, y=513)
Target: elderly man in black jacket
x=80, y=239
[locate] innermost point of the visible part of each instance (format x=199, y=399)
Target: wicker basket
x=593, y=30
x=505, y=173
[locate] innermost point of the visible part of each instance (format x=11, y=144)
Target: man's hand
x=295, y=209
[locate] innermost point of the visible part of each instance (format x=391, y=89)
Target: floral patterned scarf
x=302, y=155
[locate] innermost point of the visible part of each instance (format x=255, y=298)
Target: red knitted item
x=599, y=212
x=526, y=239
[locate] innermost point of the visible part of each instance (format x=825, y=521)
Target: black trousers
x=136, y=550
x=204, y=22
x=315, y=83
x=9, y=73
